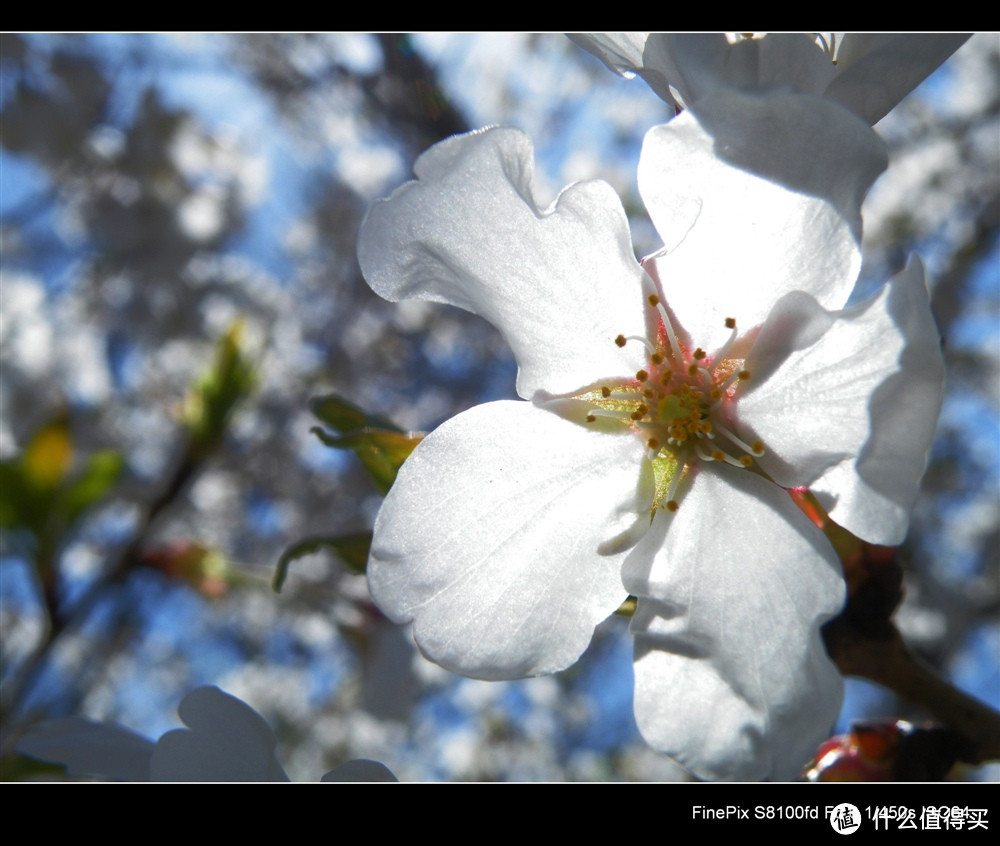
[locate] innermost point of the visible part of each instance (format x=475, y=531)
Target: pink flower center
x=682, y=405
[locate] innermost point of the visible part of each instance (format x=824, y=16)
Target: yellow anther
x=746, y=460
x=757, y=447
x=656, y=358
x=653, y=300
x=718, y=455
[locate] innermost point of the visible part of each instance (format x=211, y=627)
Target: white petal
x=627, y=53
x=697, y=64
x=847, y=403
x=876, y=71
x=360, y=769
x=86, y=748
x=755, y=196
x=227, y=741
x=872, y=72
x=490, y=539
x=693, y=65
x=620, y=51
x=788, y=58
x=731, y=676
x=560, y=284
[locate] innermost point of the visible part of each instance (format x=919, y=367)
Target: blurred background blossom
x=178, y=221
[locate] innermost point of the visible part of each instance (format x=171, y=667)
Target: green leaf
x=218, y=392
x=49, y=455
x=42, y=496
x=381, y=446
x=14, y=496
x=345, y=417
x=98, y=475
x=381, y=452
x=31, y=484
x=352, y=549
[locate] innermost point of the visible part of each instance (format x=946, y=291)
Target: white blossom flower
x=865, y=72
x=666, y=410
x=226, y=740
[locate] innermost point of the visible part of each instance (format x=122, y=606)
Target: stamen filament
x=672, y=490
x=737, y=375
x=610, y=413
x=721, y=353
x=675, y=348
x=704, y=456
x=644, y=341
x=756, y=449
x=718, y=455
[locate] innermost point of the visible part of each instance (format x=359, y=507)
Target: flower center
x=681, y=404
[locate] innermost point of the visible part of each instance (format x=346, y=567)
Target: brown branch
x=878, y=653
x=69, y=620
x=408, y=95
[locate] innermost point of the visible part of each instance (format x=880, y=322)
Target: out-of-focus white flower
x=226, y=740
x=868, y=73
x=667, y=411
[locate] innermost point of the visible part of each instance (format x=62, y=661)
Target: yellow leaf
x=48, y=456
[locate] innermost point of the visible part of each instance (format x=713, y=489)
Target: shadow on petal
x=804, y=143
